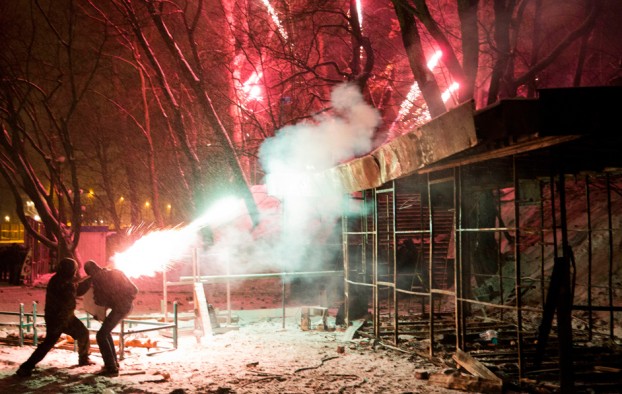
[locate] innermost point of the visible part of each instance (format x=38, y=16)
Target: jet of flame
x=158, y=250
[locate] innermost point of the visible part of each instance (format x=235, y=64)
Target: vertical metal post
x=458, y=278
x=122, y=340
x=430, y=260
x=376, y=304
x=565, y=300
x=394, y=241
x=175, y=329
x=610, y=276
x=542, y=239
x=553, y=215
x=499, y=236
x=346, y=260
x=34, y=324
x=588, y=208
x=164, y=305
x=21, y=324
x=517, y=270
x=283, y=298
x=228, y=292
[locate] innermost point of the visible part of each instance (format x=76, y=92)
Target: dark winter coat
x=60, y=296
x=112, y=289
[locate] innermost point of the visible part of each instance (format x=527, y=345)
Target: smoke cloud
x=298, y=212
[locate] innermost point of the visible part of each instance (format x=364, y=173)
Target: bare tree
x=45, y=75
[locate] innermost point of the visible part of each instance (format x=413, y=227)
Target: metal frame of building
x=503, y=200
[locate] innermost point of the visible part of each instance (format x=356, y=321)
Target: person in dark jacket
x=111, y=289
x=60, y=304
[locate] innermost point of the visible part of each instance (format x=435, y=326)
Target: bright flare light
x=251, y=87
x=423, y=114
x=359, y=11
x=447, y=93
x=275, y=19
x=156, y=251
x=433, y=62
x=415, y=92
x=221, y=212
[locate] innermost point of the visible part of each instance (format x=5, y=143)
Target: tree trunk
x=412, y=44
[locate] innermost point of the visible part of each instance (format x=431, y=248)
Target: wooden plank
x=473, y=366
x=465, y=383
x=201, y=308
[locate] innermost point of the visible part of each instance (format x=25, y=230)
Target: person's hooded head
x=91, y=268
x=67, y=268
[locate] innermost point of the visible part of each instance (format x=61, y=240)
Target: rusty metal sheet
x=443, y=136
x=359, y=174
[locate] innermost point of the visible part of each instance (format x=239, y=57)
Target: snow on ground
x=257, y=355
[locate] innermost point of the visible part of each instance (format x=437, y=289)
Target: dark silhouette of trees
x=45, y=75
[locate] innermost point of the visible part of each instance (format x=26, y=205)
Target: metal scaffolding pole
x=517, y=272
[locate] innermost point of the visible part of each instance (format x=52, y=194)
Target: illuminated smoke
x=298, y=210
x=293, y=158
x=297, y=151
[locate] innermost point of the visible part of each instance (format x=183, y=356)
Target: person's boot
x=108, y=372
x=83, y=361
x=110, y=369
x=23, y=372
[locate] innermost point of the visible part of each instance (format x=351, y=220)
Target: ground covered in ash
x=255, y=353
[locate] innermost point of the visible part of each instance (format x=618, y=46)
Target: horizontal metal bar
x=596, y=308
x=403, y=291
x=17, y=314
x=224, y=278
x=444, y=292
x=441, y=180
x=151, y=323
x=406, y=232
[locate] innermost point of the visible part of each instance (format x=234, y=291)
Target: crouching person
x=114, y=290
x=60, y=318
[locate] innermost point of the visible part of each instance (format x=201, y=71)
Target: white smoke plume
x=308, y=209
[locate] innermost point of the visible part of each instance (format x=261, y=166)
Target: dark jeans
x=104, y=335
x=74, y=327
